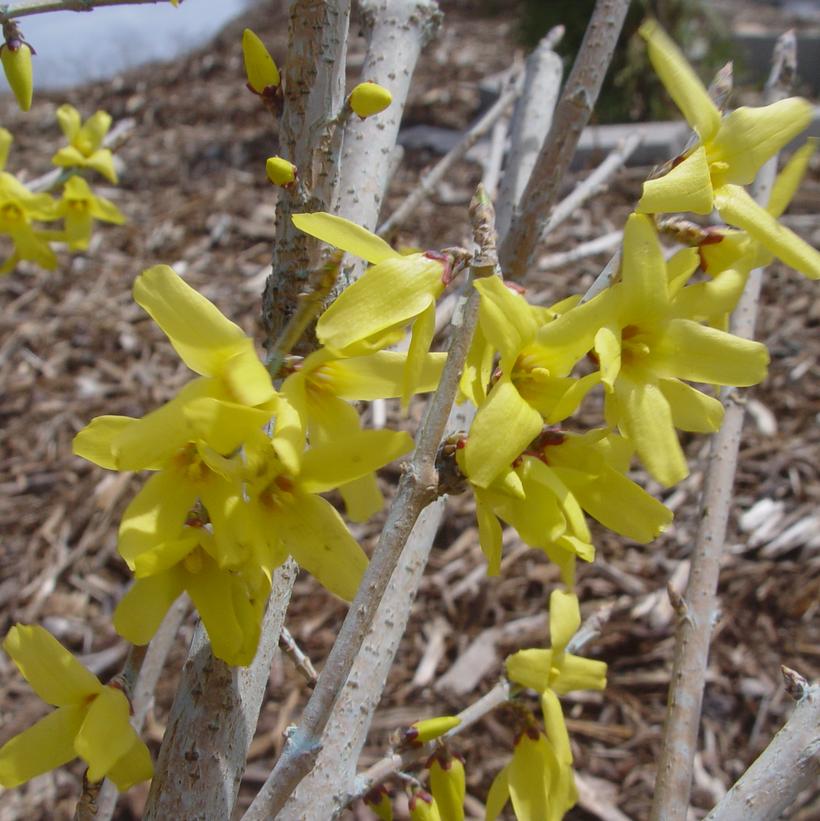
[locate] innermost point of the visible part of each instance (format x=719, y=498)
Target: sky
x=74, y=47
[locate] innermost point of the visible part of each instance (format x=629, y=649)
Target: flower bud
x=421, y=732
x=368, y=99
x=447, y=783
x=423, y=806
x=259, y=65
x=280, y=171
x=16, y=58
x=378, y=800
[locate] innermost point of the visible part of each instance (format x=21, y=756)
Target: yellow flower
x=648, y=342
x=532, y=383
x=260, y=68
x=91, y=720
x=396, y=291
x=18, y=207
x=230, y=602
x=556, y=672
x=16, y=58
x=728, y=156
x=85, y=142
x=368, y=99
x=320, y=391
x=79, y=207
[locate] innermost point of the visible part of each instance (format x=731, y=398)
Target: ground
x=73, y=345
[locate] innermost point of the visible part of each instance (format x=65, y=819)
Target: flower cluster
x=78, y=207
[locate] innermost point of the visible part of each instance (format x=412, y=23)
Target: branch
x=789, y=765
x=417, y=489
x=531, y=123
x=443, y=166
x=696, y=613
x=29, y=7
x=212, y=722
x=572, y=114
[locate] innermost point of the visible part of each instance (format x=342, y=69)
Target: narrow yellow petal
x=680, y=81
x=428, y=729
x=106, y=734
x=46, y=745
x=141, y=610
x=489, y=534
x=530, y=668
x=580, y=674
x=498, y=796
x=692, y=409
x=737, y=208
x=530, y=777
x=565, y=619
x=643, y=271
x=345, y=235
x=133, y=768
x=507, y=320
x=51, y=671
x=789, y=179
x=424, y=329
x=687, y=187
x=555, y=725
x=95, y=441
x=379, y=375
x=679, y=267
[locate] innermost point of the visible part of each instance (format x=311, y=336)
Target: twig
x=530, y=124
x=300, y=659
x=437, y=173
x=29, y=7
x=593, y=183
x=586, y=249
x=495, y=157
x=789, y=765
x=572, y=114
x=417, y=489
x=142, y=686
x=694, y=628
x=212, y=722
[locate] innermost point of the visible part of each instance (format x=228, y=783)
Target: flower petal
x=106, y=734
x=713, y=297
x=134, y=767
x=750, y=136
x=698, y=353
x=345, y=235
x=504, y=425
x=46, y=745
x=692, y=410
x=555, y=725
x=530, y=668
x=679, y=267
x=379, y=375
x=506, y=318
x=141, y=610
x=580, y=674
x=362, y=498
x=565, y=619
x=424, y=329
x=737, y=208
x=224, y=426
x=489, y=533
x=51, y=671
x=789, y=179
x=687, y=187
x=643, y=271
x=498, y=795
x=531, y=772
x=680, y=81
x=94, y=441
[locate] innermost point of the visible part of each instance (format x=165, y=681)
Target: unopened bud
x=259, y=65
x=423, y=806
x=378, y=800
x=16, y=58
x=421, y=732
x=368, y=99
x=280, y=171
x=447, y=783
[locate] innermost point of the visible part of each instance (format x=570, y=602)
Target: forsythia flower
x=372, y=312
x=447, y=783
x=555, y=672
x=320, y=390
x=85, y=142
x=79, y=207
x=91, y=720
x=646, y=344
x=730, y=152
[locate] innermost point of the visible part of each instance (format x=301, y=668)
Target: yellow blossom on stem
x=280, y=171
x=91, y=720
x=556, y=672
x=84, y=149
x=18, y=208
x=395, y=292
x=447, y=783
x=428, y=729
x=647, y=343
x=728, y=156
x=79, y=207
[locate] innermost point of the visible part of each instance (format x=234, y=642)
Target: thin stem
x=29, y=7
x=571, y=115
x=697, y=611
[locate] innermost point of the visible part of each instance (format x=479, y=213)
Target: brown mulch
x=73, y=345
